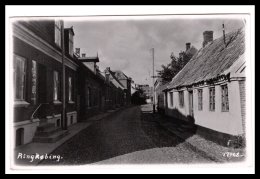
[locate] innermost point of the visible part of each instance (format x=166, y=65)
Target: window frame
x=212, y=99
x=71, y=90
x=57, y=86
x=224, y=98
x=24, y=60
x=34, y=96
x=200, y=99
x=171, y=99
x=181, y=99
x=89, y=92
x=71, y=43
x=57, y=32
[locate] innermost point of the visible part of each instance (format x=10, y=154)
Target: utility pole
x=153, y=83
x=64, y=119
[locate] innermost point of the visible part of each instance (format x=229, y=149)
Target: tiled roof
x=162, y=87
x=211, y=61
x=120, y=75
x=119, y=84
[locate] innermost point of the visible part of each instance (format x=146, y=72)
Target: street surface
x=130, y=136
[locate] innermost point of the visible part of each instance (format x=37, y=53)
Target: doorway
x=19, y=137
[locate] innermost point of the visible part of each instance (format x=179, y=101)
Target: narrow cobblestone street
x=128, y=136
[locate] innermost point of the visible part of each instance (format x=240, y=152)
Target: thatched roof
x=162, y=87
x=211, y=61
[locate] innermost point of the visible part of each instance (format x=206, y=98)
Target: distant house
x=160, y=85
x=160, y=101
x=120, y=92
x=210, y=89
x=147, y=91
x=91, y=86
x=126, y=82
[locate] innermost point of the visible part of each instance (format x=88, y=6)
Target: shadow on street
x=133, y=129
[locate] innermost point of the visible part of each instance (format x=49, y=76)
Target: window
x=212, y=99
x=224, y=97
x=171, y=99
x=200, y=105
x=95, y=97
x=56, y=91
x=71, y=44
x=19, y=77
x=34, y=82
x=70, y=89
x=89, y=97
x=181, y=98
x=58, y=32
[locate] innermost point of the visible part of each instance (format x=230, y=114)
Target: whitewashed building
x=210, y=89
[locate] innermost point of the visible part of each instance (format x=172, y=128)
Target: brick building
x=37, y=64
x=38, y=53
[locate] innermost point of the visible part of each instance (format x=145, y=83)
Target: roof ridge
x=211, y=60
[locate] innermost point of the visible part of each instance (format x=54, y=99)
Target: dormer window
x=58, y=32
x=71, y=42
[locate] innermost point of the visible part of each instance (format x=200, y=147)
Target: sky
x=125, y=43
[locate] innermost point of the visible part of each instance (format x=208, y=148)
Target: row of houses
x=210, y=90
x=55, y=87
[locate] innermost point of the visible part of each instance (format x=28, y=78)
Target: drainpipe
x=64, y=119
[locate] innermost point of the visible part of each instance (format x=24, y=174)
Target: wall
x=225, y=122
x=43, y=29
x=176, y=110
x=86, y=79
x=29, y=130
x=242, y=90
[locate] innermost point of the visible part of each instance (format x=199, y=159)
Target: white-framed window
x=224, y=98
x=171, y=99
x=181, y=98
x=200, y=99
x=56, y=86
x=34, y=82
x=70, y=89
x=19, y=78
x=212, y=98
x=58, y=32
x=71, y=42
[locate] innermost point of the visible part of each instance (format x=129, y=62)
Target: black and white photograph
x=120, y=91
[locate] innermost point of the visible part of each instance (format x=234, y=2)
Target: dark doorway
x=19, y=137
x=42, y=83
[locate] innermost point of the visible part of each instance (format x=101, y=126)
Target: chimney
x=224, y=37
x=187, y=46
x=107, y=74
x=207, y=37
x=77, y=52
x=83, y=55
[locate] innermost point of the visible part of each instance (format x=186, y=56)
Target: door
x=42, y=84
x=42, y=89
x=191, y=103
